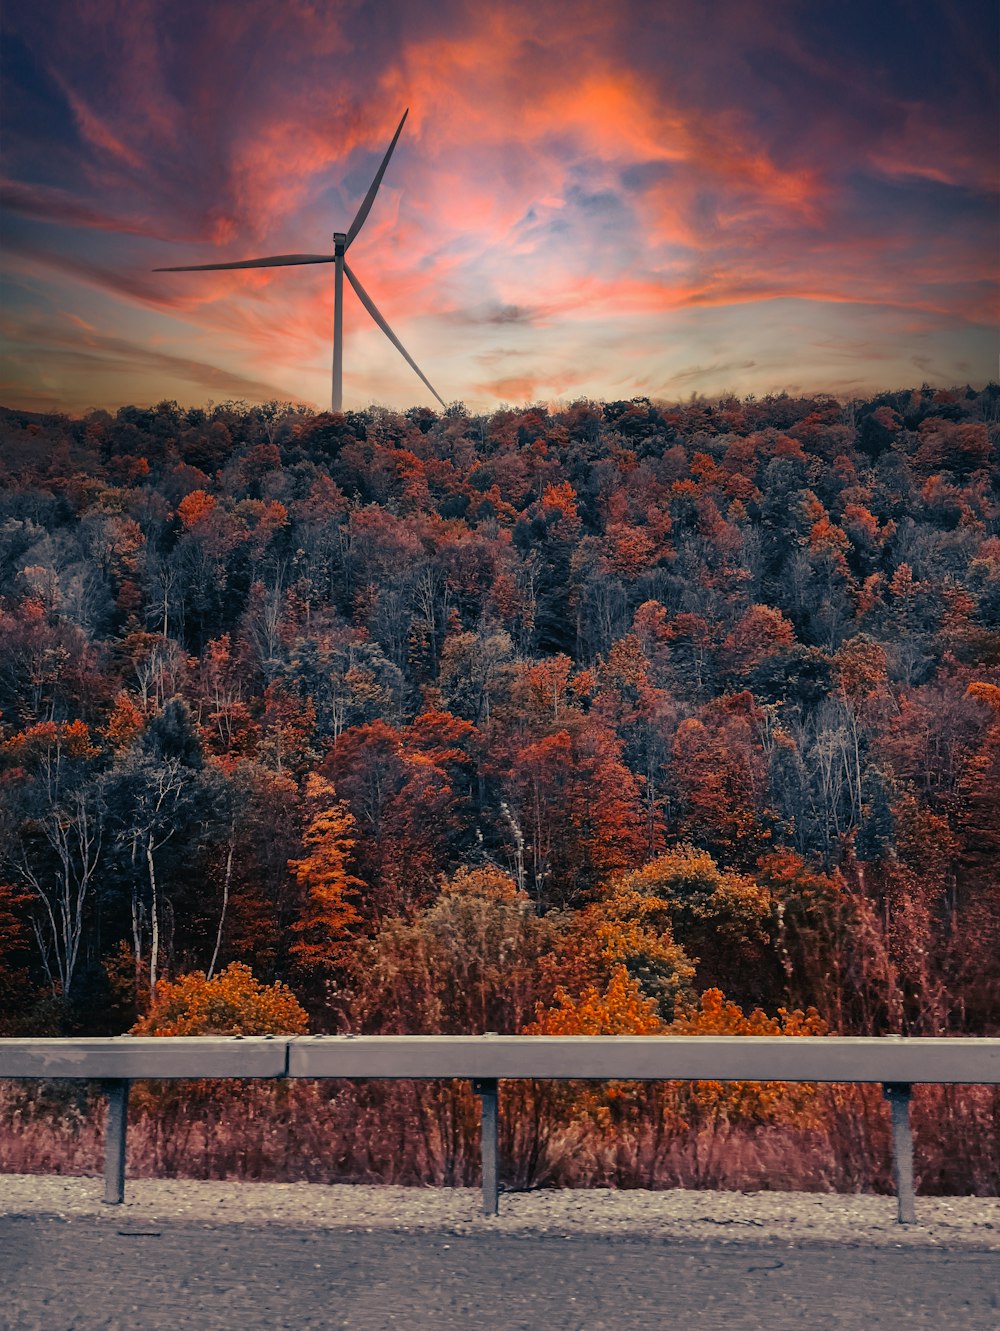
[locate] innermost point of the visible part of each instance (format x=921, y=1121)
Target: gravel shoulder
x=788, y=1219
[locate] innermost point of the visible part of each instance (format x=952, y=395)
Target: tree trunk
x=222, y=913
x=154, y=920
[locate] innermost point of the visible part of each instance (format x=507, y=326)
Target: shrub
x=231, y=1003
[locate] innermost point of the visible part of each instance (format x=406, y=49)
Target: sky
x=588, y=200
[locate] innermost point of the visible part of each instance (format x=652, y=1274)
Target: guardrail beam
x=897, y=1063
x=545, y=1057
x=648, y=1058
x=136, y=1057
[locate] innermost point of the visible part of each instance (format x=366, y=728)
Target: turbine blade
x=372, y=309
x=369, y=198
x=271, y=261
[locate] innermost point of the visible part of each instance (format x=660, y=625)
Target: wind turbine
x=341, y=243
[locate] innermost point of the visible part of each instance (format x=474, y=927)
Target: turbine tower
x=341, y=243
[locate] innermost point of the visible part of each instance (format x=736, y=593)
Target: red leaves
x=760, y=633
x=195, y=508
x=405, y=789
x=577, y=805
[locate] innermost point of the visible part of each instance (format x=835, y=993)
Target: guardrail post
x=898, y=1094
x=114, y=1142
x=487, y=1088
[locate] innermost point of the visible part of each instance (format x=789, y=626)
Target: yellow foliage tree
x=699, y=891
x=633, y=930
x=720, y=918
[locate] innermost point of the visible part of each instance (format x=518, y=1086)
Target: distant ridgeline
x=619, y=717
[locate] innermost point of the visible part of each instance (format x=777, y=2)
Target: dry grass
x=551, y=1135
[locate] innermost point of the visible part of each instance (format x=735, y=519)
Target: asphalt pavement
x=70, y=1274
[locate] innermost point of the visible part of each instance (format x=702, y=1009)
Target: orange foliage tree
x=621, y=1009
x=328, y=915
x=232, y=1003
x=637, y=1124
x=745, y=1102
x=632, y=929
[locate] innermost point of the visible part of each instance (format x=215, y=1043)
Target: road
x=73, y=1275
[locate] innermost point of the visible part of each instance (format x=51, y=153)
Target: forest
x=612, y=717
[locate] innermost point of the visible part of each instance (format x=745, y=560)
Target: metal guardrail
x=485, y=1060
x=134, y=1058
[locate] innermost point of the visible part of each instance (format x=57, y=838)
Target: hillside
x=561, y=716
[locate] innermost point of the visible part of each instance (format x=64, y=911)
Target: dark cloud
x=83, y=350
x=511, y=314
x=716, y=373
x=147, y=290
x=49, y=203
x=497, y=315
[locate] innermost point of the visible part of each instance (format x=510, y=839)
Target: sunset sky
x=596, y=200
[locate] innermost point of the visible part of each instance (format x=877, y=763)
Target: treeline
x=558, y=717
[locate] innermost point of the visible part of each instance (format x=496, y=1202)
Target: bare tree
x=57, y=857
x=152, y=797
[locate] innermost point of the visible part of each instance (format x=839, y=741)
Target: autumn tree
x=574, y=805
x=720, y=919
x=328, y=915
x=620, y=1009
x=734, y=1102
x=566, y=641
x=468, y=963
x=233, y=1003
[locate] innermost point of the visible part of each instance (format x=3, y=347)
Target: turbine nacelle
x=341, y=242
